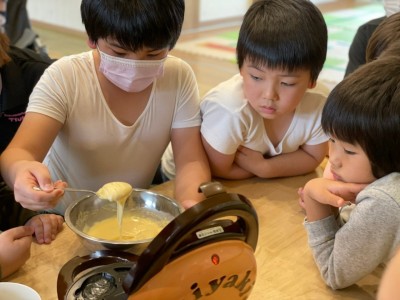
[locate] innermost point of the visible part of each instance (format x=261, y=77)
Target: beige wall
x=62, y=13
x=66, y=14
x=208, y=14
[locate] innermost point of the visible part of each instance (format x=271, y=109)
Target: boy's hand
x=15, y=245
x=46, y=227
x=248, y=159
x=30, y=174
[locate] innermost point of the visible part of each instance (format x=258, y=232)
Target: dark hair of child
x=293, y=36
x=157, y=23
x=365, y=110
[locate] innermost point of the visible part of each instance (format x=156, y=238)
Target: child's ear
x=312, y=84
x=91, y=44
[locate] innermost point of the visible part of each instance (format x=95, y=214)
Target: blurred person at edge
x=358, y=47
x=20, y=69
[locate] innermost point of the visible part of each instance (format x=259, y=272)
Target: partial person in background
x=108, y=114
x=389, y=287
x=3, y=15
x=20, y=70
x=357, y=51
x=365, y=168
x=385, y=35
x=265, y=121
x=15, y=19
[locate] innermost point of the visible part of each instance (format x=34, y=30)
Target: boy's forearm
x=232, y=172
x=10, y=160
x=189, y=180
x=7, y=172
x=287, y=164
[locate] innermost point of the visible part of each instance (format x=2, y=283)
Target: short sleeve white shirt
x=229, y=121
x=93, y=146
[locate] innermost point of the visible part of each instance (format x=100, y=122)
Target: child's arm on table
x=46, y=227
x=223, y=165
x=302, y=161
x=320, y=194
x=389, y=286
x=15, y=248
x=192, y=167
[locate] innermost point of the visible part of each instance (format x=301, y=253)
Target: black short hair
x=288, y=34
x=134, y=24
x=364, y=109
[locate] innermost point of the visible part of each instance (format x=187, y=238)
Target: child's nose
x=334, y=159
x=270, y=93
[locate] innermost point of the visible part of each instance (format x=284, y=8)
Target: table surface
x=286, y=269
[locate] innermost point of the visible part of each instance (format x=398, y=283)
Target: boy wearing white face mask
x=108, y=114
x=130, y=75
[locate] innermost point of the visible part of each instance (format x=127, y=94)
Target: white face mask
x=391, y=7
x=128, y=74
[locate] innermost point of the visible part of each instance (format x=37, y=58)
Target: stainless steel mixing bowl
x=86, y=211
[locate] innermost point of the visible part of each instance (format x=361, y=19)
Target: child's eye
x=287, y=84
x=331, y=140
x=119, y=54
x=349, y=152
x=155, y=54
x=255, y=77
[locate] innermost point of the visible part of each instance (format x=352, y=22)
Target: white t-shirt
x=93, y=147
x=229, y=121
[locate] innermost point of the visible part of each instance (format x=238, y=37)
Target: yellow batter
x=136, y=225
x=118, y=192
x=115, y=191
